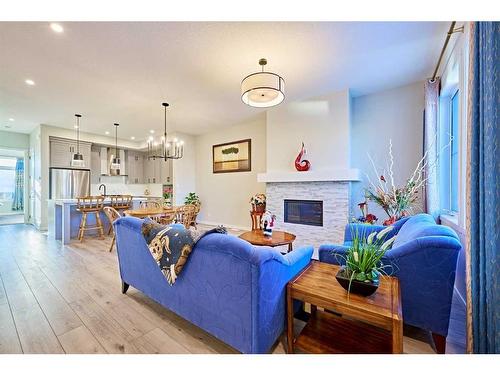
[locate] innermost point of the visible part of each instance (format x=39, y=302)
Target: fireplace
x=305, y=212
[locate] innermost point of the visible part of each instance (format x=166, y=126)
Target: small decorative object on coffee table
x=350, y=323
x=278, y=238
x=268, y=223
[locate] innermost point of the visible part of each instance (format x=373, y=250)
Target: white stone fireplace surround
x=332, y=188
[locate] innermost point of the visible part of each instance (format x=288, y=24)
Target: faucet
x=102, y=186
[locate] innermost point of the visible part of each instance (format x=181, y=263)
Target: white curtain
x=431, y=190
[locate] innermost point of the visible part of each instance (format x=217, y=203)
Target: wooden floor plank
x=9, y=341
x=35, y=333
x=158, y=342
x=75, y=291
x=110, y=334
x=18, y=292
x=80, y=341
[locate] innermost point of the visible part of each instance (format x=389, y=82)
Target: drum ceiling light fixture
x=262, y=89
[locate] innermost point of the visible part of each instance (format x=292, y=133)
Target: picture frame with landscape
x=232, y=156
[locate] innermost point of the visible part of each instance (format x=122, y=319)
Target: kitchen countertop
x=106, y=199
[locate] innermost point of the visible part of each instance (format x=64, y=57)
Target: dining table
x=149, y=212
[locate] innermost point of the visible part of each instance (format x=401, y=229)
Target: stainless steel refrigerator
x=69, y=183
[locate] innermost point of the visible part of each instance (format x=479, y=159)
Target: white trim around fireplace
x=310, y=176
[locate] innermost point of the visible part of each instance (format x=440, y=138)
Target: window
x=450, y=157
x=454, y=147
x=7, y=177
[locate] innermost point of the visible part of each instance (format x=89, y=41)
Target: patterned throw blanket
x=170, y=245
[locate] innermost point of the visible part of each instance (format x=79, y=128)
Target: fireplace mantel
x=310, y=176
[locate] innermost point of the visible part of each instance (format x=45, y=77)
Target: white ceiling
x=122, y=71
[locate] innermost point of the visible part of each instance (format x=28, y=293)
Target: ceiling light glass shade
x=262, y=90
x=77, y=160
x=115, y=163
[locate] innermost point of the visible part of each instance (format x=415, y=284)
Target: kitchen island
x=64, y=219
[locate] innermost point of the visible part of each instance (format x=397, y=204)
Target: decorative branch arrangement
x=400, y=201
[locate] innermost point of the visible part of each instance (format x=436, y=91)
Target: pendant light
x=115, y=162
x=262, y=89
x=77, y=160
x=165, y=149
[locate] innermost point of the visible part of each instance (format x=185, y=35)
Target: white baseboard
x=228, y=226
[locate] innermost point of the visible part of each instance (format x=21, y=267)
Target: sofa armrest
x=333, y=254
x=426, y=270
x=273, y=277
x=297, y=256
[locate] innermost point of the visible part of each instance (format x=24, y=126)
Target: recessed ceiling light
x=132, y=138
x=30, y=82
x=11, y=119
x=56, y=27
x=152, y=131
x=106, y=132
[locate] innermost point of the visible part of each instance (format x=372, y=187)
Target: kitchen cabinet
x=157, y=171
x=62, y=151
x=135, y=167
x=166, y=172
x=95, y=166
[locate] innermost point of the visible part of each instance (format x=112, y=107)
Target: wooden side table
x=357, y=324
x=278, y=238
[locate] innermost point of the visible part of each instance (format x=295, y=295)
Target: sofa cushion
x=421, y=225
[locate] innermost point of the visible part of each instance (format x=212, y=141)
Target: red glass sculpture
x=302, y=165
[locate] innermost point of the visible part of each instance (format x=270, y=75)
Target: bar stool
x=120, y=203
x=112, y=216
x=90, y=205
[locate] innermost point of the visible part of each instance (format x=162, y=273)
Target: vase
x=364, y=288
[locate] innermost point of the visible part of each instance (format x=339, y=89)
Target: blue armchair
x=424, y=258
x=228, y=287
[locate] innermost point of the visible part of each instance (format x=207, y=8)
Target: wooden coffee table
x=352, y=324
x=256, y=237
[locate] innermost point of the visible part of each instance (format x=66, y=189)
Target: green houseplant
x=194, y=200
x=363, y=262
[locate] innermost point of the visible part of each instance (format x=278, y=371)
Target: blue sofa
x=229, y=288
x=424, y=258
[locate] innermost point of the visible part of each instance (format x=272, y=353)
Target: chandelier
x=262, y=89
x=165, y=149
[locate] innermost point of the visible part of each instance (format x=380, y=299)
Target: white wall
x=395, y=114
x=14, y=140
x=184, y=170
x=225, y=196
x=322, y=123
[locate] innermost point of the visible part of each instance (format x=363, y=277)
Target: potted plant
x=194, y=200
x=363, y=266
x=258, y=202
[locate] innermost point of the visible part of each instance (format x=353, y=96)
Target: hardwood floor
x=67, y=299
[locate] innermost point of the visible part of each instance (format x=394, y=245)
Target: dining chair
x=185, y=215
x=112, y=214
x=150, y=204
